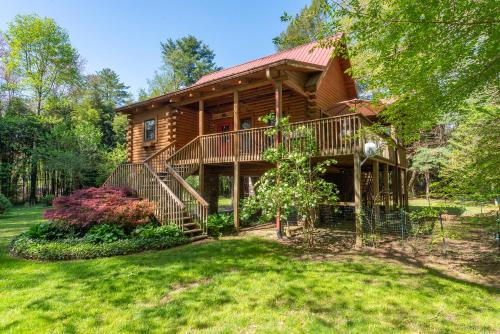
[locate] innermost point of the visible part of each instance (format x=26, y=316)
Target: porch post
x=357, y=200
x=201, y=118
x=201, y=131
x=404, y=173
x=386, y=189
x=376, y=190
x=201, y=179
x=278, y=102
x=395, y=190
x=236, y=175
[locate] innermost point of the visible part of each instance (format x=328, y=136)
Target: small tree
x=295, y=184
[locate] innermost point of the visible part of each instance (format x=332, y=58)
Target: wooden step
x=189, y=224
x=198, y=237
x=196, y=230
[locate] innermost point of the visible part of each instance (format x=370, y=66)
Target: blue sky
x=125, y=35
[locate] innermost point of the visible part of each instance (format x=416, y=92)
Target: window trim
x=154, y=130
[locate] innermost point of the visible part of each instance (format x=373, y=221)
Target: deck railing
x=337, y=135
x=195, y=204
x=218, y=147
x=333, y=135
x=178, y=166
x=169, y=209
x=188, y=157
x=252, y=143
x=157, y=160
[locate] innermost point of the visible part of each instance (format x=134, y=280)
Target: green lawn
x=471, y=208
x=231, y=286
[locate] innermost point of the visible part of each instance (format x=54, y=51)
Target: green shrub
x=452, y=209
x=105, y=233
x=4, y=203
x=424, y=220
x=47, y=199
x=48, y=231
x=71, y=249
x=220, y=224
x=154, y=231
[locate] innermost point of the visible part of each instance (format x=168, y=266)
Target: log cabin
x=212, y=129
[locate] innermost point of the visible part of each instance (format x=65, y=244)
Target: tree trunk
x=33, y=178
x=427, y=184
x=411, y=183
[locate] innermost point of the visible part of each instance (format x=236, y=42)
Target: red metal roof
x=307, y=53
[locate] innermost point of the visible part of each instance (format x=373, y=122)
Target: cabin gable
x=332, y=87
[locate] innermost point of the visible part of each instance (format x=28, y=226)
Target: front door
x=225, y=125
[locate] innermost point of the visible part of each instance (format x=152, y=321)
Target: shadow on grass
x=261, y=278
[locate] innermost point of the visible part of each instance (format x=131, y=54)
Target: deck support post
x=395, y=187
x=404, y=174
x=201, y=179
x=201, y=132
x=376, y=189
x=236, y=195
x=201, y=118
x=387, y=207
x=357, y=200
x=236, y=176
x=278, y=103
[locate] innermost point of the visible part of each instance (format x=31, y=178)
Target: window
x=149, y=130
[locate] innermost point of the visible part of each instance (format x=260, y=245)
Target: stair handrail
x=168, y=209
x=182, y=149
x=164, y=186
x=156, y=159
x=187, y=186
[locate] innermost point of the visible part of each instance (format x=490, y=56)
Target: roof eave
x=159, y=99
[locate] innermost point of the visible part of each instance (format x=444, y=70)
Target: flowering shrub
x=87, y=207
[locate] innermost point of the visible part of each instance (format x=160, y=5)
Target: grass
x=245, y=285
x=471, y=208
x=225, y=201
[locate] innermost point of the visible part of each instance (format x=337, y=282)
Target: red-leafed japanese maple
x=92, y=206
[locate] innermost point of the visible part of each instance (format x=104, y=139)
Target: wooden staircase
x=161, y=179
x=172, y=169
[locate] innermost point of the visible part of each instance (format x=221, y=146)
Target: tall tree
x=302, y=28
x=162, y=82
x=185, y=60
x=426, y=161
x=429, y=58
x=188, y=58
x=41, y=56
x=104, y=92
x=106, y=86
x=472, y=163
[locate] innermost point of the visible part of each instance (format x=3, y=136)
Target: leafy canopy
x=189, y=59
x=302, y=28
x=41, y=55
x=474, y=155
x=185, y=60
x=428, y=57
x=105, y=86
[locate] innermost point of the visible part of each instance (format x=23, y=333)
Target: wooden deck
x=340, y=135
x=161, y=177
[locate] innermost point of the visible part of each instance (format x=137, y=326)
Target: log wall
x=331, y=87
x=164, y=133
